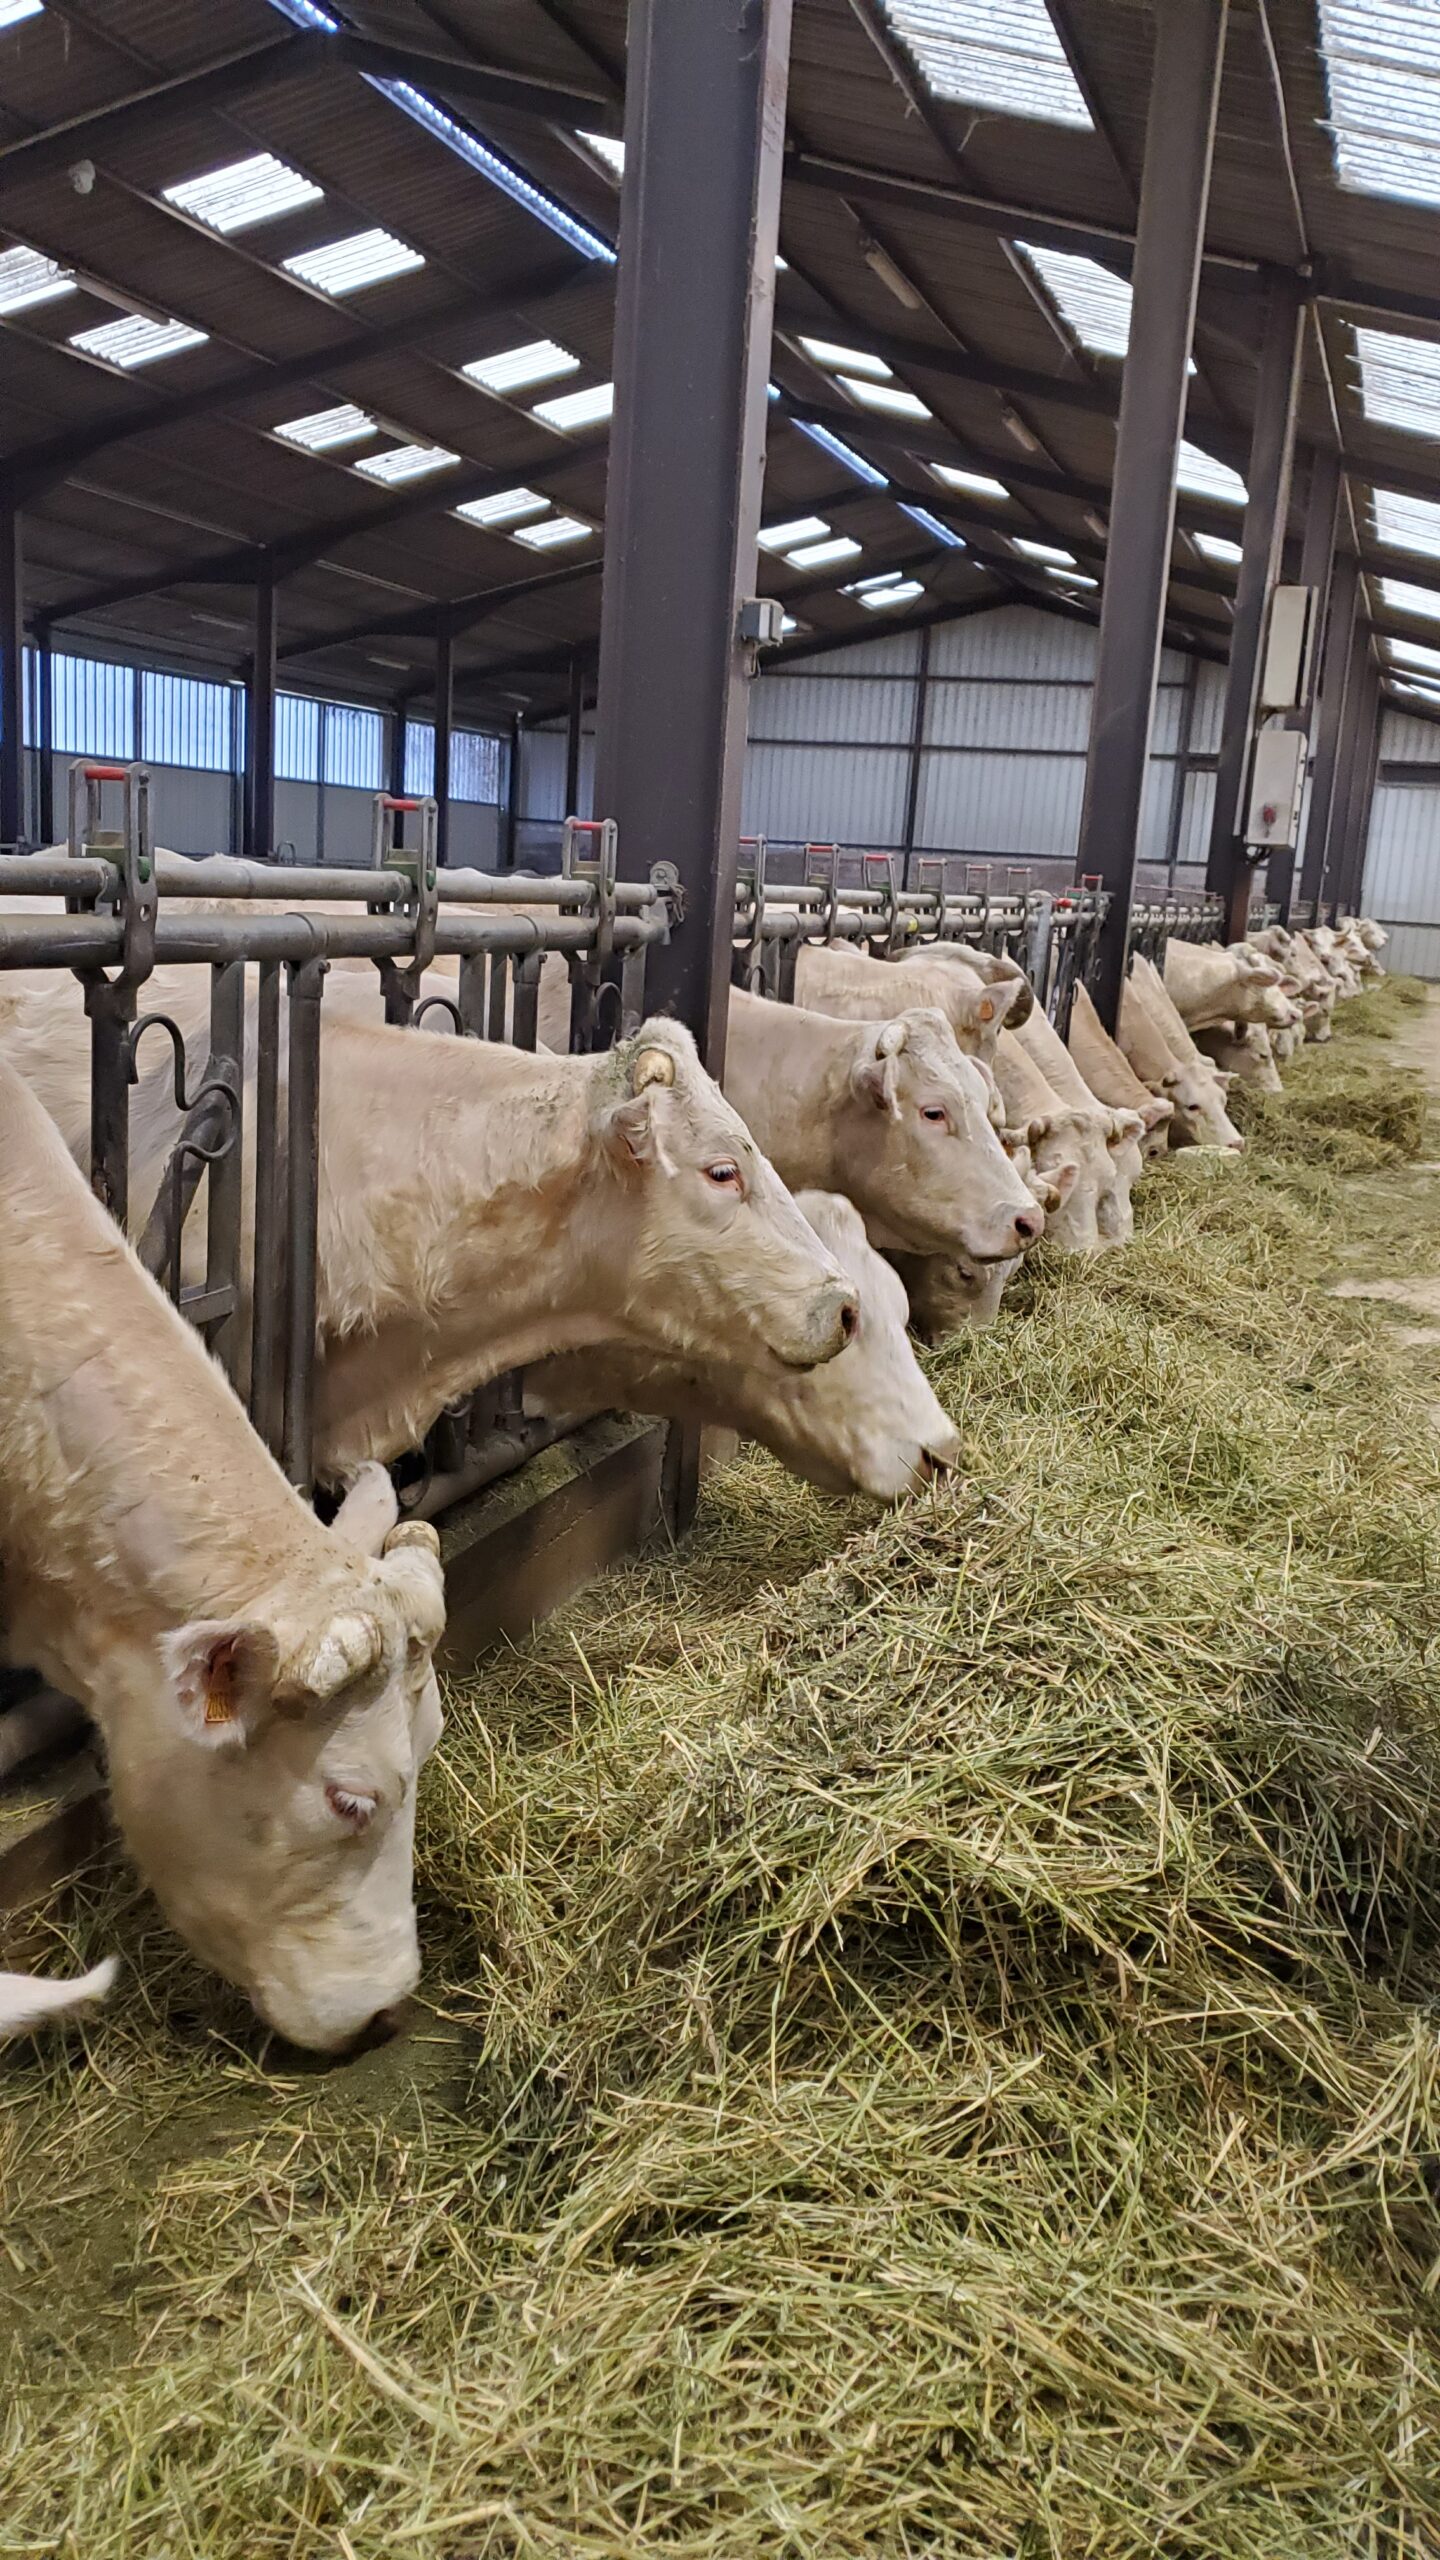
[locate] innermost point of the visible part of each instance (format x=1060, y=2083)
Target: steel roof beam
x=482, y=83
x=58, y=146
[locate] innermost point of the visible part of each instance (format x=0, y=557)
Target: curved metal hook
x=166, y=1022
x=446, y=1004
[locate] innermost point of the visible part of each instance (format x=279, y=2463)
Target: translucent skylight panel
x=818, y=555
x=977, y=483
x=1042, y=551
x=1204, y=477
x=347, y=266
x=932, y=525
x=1002, y=54
x=887, y=396
x=1072, y=577
x=327, y=430
x=13, y=11
x=135, y=341
x=880, y=578
x=1407, y=524
x=554, y=530
x=402, y=462
x=27, y=279
x=779, y=537
x=879, y=599
x=1382, y=65
x=577, y=408
x=845, y=359
x=244, y=192
x=1091, y=302
x=1399, y=380
x=1409, y=599
x=1216, y=547
x=522, y=368
x=606, y=148
x=1413, y=653
x=508, y=506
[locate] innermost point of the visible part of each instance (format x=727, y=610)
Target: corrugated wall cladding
x=1001, y=768
x=1402, y=861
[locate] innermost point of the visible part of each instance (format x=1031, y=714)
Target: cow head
x=266, y=1781
x=980, y=995
x=949, y=1295
x=1154, y=1140
x=710, y=1246
x=870, y=1421
x=1089, y=1160
x=920, y=1156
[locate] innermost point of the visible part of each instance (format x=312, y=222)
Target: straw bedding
x=935, y=2036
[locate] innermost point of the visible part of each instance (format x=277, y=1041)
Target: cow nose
x=1029, y=1225
x=933, y=1468
x=849, y=1318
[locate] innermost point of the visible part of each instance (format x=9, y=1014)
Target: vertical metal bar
x=12, y=678
x=1349, y=842
x=260, y=723
x=704, y=140
x=495, y=1011
x=917, y=753
x=574, y=733
x=510, y=825
x=525, y=1020
x=322, y=767
x=1175, y=187
x=1184, y=740
x=1267, y=479
x=45, y=730
x=1336, y=658
x=267, y=1375
x=1317, y=562
x=470, y=994
x=444, y=723
x=302, y=1206
x=398, y=731
x=112, y=1012
x=224, y=1184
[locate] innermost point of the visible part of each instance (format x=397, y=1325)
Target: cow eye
x=725, y=1175
x=936, y=1113
x=350, y=1805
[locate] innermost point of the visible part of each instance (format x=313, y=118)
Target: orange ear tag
x=986, y=1010
x=220, y=1684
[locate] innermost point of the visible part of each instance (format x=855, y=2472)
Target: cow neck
x=788, y=1074
x=134, y=1495
x=489, y=1243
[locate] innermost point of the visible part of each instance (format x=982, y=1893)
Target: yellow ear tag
x=986, y=1010
x=220, y=1685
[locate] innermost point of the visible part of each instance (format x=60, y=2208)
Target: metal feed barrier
x=401, y=913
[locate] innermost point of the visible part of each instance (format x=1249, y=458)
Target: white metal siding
x=848, y=795
x=1402, y=862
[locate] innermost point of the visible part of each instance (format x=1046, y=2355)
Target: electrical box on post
x=762, y=622
x=1289, y=649
x=1277, y=782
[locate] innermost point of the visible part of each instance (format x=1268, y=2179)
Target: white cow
x=1118, y=1131
x=1244, y=1050
x=867, y=1422
x=831, y=978
x=481, y=1208
x=1072, y=1148
x=263, y=1684
x=1150, y=1027
x=1111, y=1078
x=890, y=1113
x=1211, y=982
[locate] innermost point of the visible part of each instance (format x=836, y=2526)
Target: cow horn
x=351, y=1645
x=653, y=1066
x=413, y=1533
x=892, y=1039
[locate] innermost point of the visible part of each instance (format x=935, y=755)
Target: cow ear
x=221, y=1675
x=1156, y=1113
x=629, y=1132
x=1062, y=1182
x=876, y=1076
x=1125, y=1125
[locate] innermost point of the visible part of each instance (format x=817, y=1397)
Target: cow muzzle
x=824, y=1331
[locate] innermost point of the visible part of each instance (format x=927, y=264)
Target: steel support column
x=917, y=752
x=1272, y=452
x=395, y=751
x=444, y=726
x=1179, y=142
x=45, y=731
x=574, y=733
x=260, y=724
x=1349, y=836
x=1335, y=662
x=704, y=141
x=510, y=822
x=12, y=678
x=1317, y=562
